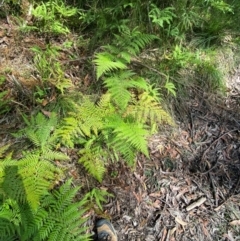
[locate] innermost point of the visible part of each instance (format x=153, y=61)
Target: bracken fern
x=120, y=122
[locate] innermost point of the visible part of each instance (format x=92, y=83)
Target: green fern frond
x=54, y=155
x=97, y=196
x=118, y=86
x=91, y=117
x=27, y=180
x=132, y=41
x=39, y=129
x=34, y=137
x=123, y=149
x=10, y=218
x=86, y=121
x=59, y=219
x=126, y=137
x=134, y=134
x=147, y=110
x=105, y=104
x=106, y=62
x=69, y=131
x=170, y=88
x=118, y=55
x=92, y=160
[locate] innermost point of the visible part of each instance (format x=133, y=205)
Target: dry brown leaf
x=180, y=221
x=205, y=231
x=172, y=231
x=73, y=173
x=86, y=80
x=138, y=197
x=164, y=234
x=184, y=190
x=47, y=113
x=45, y=102
x=155, y=194
x=118, y=208
x=235, y=222
x=156, y=204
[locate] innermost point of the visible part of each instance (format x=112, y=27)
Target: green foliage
x=208, y=74
x=49, y=68
x=126, y=46
x=40, y=131
x=120, y=125
x=120, y=122
x=58, y=217
x=4, y=100
x=28, y=179
x=170, y=87
x=92, y=159
x=115, y=125
x=107, y=62
x=50, y=17
x=97, y=196
x=160, y=17
x=30, y=209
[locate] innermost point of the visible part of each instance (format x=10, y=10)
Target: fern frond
x=134, y=134
x=69, y=131
x=170, y=88
x=132, y=41
x=105, y=105
x=61, y=220
x=10, y=218
x=86, y=121
x=34, y=137
x=28, y=179
x=91, y=117
x=147, y=110
x=123, y=149
x=118, y=86
x=126, y=137
x=97, y=196
x=106, y=62
x=92, y=160
x=39, y=130
x=118, y=55
x=54, y=155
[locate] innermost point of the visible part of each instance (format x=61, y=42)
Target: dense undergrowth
x=137, y=56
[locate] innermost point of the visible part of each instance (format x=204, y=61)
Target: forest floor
x=189, y=189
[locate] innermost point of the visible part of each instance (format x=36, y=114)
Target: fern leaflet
x=106, y=62
x=93, y=160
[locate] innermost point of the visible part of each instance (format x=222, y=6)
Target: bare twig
x=211, y=168
x=214, y=190
x=135, y=61
x=18, y=103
